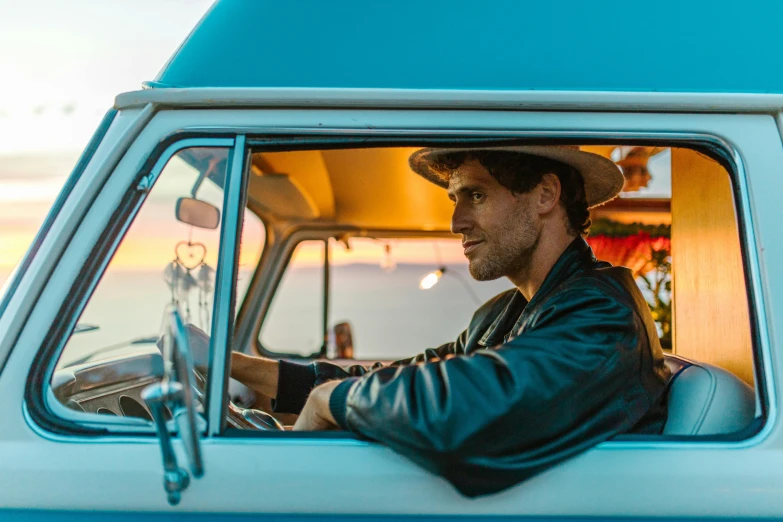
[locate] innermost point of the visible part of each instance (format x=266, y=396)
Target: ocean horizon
x=390, y=316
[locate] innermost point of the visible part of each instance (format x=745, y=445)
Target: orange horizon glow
x=157, y=253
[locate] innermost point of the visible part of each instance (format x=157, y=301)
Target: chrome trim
x=157, y=397
x=175, y=391
x=223, y=317
x=107, y=372
x=94, y=420
x=144, y=437
x=370, y=98
x=178, y=358
x=153, y=175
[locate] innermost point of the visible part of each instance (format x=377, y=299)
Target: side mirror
x=343, y=341
x=197, y=213
x=175, y=393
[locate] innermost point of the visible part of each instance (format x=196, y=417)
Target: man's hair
x=521, y=173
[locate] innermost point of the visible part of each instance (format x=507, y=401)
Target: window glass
x=161, y=260
x=401, y=296
x=673, y=225
x=294, y=323
x=251, y=247
x=634, y=230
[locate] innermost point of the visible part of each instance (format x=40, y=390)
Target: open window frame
x=711, y=146
x=286, y=140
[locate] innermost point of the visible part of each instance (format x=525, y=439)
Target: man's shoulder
x=608, y=280
x=612, y=286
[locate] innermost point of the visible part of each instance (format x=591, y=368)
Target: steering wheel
x=198, y=343
x=242, y=418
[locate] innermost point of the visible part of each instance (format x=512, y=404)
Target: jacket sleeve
x=481, y=420
x=295, y=380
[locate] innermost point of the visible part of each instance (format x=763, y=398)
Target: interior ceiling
x=367, y=188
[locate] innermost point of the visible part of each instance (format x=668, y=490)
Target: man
x=566, y=360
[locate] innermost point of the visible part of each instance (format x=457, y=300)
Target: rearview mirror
x=197, y=213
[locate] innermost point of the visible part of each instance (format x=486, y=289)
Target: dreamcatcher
x=186, y=272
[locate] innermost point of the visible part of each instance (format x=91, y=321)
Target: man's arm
x=493, y=418
x=316, y=415
x=258, y=373
x=290, y=383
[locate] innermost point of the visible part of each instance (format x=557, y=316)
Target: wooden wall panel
x=711, y=321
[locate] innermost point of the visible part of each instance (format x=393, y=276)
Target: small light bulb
x=430, y=280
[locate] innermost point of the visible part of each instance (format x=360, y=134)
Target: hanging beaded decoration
x=179, y=276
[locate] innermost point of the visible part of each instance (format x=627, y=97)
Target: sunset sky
x=61, y=64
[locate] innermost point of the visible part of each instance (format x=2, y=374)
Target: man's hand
x=257, y=373
x=316, y=415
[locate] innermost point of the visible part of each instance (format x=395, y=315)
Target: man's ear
x=548, y=193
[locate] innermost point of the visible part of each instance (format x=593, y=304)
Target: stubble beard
x=510, y=252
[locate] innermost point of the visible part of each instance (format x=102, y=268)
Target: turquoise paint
x=565, y=45
x=178, y=516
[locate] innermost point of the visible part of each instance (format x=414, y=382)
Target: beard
x=509, y=251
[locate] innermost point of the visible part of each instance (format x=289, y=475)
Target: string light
x=431, y=279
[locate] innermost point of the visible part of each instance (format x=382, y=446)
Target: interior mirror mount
x=197, y=213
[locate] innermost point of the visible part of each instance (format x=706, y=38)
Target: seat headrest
x=706, y=400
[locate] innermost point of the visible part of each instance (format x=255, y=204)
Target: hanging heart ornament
x=190, y=255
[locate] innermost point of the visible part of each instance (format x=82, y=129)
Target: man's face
x=499, y=229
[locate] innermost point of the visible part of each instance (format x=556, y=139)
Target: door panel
x=317, y=475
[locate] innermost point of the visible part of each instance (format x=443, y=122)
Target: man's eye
x=477, y=196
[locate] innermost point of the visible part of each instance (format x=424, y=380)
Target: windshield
x=162, y=259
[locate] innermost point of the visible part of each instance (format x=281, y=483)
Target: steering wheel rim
x=243, y=418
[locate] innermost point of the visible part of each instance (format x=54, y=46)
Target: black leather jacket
x=531, y=384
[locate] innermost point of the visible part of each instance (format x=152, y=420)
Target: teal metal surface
x=14, y=515
x=609, y=45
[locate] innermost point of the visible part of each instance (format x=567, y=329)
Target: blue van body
x=516, y=46
x=559, y=45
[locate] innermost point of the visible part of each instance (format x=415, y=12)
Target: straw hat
x=602, y=179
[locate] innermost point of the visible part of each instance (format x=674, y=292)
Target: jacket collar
x=574, y=259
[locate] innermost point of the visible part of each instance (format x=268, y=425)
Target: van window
x=655, y=228
x=251, y=247
x=400, y=296
x=161, y=261
x=294, y=323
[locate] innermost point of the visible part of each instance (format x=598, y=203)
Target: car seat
x=706, y=400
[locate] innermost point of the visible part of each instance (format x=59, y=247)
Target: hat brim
x=603, y=180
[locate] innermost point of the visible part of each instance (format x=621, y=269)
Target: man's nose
x=460, y=220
